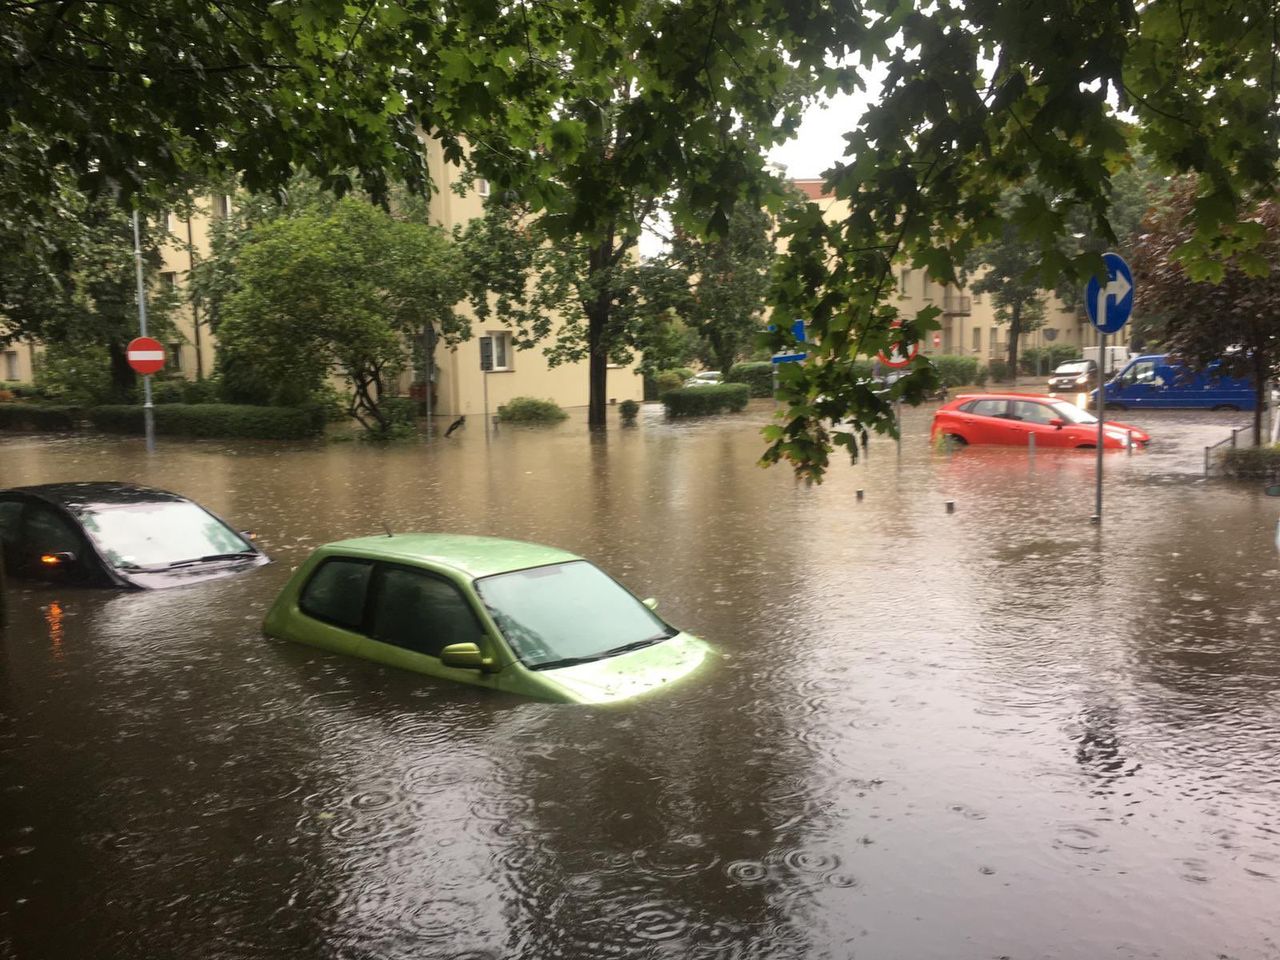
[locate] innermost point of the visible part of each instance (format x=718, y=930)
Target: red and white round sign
x=145, y=355
x=900, y=356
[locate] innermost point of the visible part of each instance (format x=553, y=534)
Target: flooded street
x=1001, y=732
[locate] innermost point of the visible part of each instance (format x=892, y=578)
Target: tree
x=982, y=98
x=1006, y=268
x=89, y=300
x=346, y=291
x=1235, y=319
x=726, y=283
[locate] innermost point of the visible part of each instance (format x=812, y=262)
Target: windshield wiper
x=638, y=644
x=241, y=555
x=566, y=662
x=625, y=648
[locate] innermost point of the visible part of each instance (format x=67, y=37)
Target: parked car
x=1158, y=380
x=117, y=535
x=705, y=378
x=1008, y=418
x=1074, y=376
x=519, y=617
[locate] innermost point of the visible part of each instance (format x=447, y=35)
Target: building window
x=482, y=187
x=924, y=284
x=221, y=206
x=173, y=360
x=977, y=339
x=11, y=364
x=906, y=276
x=495, y=351
x=169, y=280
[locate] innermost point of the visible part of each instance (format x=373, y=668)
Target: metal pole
x=148, y=415
x=897, y=422
x=1102, y=356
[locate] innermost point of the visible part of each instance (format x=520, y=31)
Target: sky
x=820, y=141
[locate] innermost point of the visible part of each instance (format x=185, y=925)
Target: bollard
x=859, y=494
x=1130, y=448
x=1206, y=462
x=1031, y=446
x=1234, y=431
x=951, y=506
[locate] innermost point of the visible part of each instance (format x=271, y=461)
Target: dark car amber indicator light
x=50, y=560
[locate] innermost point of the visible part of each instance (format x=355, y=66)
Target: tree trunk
x=597, y=311
x=123, y=379
x=1015, y=331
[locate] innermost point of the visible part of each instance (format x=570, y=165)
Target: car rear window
x=336, y=592
x=988, y=408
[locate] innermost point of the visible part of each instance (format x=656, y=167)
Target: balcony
x=954, y=303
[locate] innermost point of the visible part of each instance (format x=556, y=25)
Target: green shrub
x=1045, y=359
x=861, y=369
x=213, y=420
x=167, y=391
x=1252, y=463
x=36, y=418
x=702, y=401
x=18, y=389
x=201, y=391
x=956, y=371
x=399, y=410
x=684, y=373
x=980, y=378
x=75, y=374
x=757, y=376
x=530, y=410
x=998, y=370
x=668, y=380
x=628, y=409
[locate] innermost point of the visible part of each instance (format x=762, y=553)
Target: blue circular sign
x=1109, y=307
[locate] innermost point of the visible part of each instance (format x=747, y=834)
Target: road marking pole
x=1102, y=357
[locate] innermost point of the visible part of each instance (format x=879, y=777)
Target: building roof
x=815, y=189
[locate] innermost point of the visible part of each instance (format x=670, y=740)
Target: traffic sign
x=797, y=331
x=1109, y=307
x=937, y=340
x=896, y=358
x=145, y=355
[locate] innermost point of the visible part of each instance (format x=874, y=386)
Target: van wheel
x=1108, y=405
x=1227, y=406
x=1087, y=446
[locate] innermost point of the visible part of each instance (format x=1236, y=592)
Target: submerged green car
x=512, y=616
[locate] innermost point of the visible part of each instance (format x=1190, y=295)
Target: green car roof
x=473, y=556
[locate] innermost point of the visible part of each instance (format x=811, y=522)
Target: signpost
x=486, y=364
x=797, y=331
x=150, y=353
x=1109, y=306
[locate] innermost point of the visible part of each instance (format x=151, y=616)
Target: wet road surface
x=996, y=733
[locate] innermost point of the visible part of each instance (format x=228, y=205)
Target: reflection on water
x=1001, y=732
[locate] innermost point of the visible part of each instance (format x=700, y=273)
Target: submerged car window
x=50, y=532
x=989, y=408
x=10, y=512
x=159, y=533
x=567, y=612
x=422, y=613
x=336, y=592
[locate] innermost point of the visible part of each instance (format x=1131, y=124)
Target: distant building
x=459, y=384
x=968, y=321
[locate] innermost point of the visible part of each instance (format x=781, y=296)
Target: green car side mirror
x=463, y=655
x=650, y=602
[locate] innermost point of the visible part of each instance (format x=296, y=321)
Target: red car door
x=1033, y=417
x=989, y=421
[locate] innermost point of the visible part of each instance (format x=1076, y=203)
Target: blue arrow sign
x=1109, y=307
x=797, y=331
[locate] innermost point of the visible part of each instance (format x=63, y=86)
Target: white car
x=707, y=378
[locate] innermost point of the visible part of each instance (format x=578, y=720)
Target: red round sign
x=145, y=355
x=898, y=358
x=937, y=339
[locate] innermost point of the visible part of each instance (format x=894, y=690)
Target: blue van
x=1156, y=381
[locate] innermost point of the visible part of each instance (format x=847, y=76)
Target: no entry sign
x=145, y=355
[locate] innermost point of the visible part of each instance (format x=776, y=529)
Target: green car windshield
x=567, y=613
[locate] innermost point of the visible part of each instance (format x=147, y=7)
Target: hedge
x=757, y=376
x=999, y=370
x=1049, y=358
x=214, y=420
x=701, y=401
x=955, y=371
x=35, y=418
x=1252, y=463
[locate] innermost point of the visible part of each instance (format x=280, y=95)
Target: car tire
x=1087, y=446
x=1227, y=406
x=1114, y=406
x=956, y=439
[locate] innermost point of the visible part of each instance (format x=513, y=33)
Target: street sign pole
x=148, y=412
x=1097, y=499
x=1108, y=301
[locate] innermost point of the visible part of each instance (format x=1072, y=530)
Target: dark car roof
x=78, y=496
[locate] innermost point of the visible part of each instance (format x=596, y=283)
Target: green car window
x=336, y=593
x=422, y=613
x=568, y=613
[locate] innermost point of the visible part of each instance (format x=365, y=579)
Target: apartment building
x=969, y=326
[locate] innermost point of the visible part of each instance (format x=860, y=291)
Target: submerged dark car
x=117, y=535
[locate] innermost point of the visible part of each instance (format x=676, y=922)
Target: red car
x=1008, y=418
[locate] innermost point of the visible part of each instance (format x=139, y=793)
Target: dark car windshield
x=1076, y=366
x=568, y=613
x=159, y=534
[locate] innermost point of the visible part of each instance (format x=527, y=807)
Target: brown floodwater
x=1001, y=732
